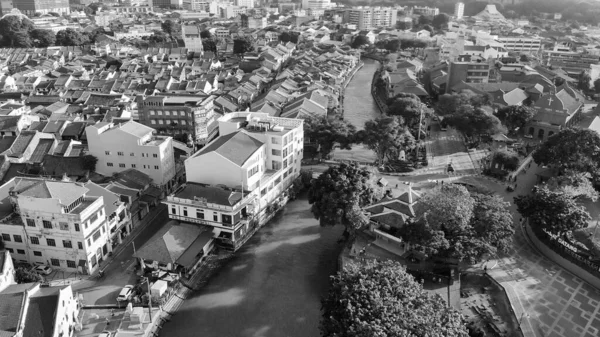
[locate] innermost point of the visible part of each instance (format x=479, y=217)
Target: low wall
x=560, y=260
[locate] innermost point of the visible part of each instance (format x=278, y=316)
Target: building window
x=182, y=113
x=160, y=121
x=121, y=165
x=274, y=140
x=152, y=112
x=215, y=216
x=132, y=165
x=107, y=153
x=96, y=235
x=20, y=251
x=200, y=213
x=152, y=121
x=93, y=261
x=93, y=218
x=76, y=227
x=79, y=245
x=183, y=122
x=30, y=222
x=71, y=264
x=285, y=163
x=18, y=238
x=155, y=155
x=120, y=153
x=185, y=211
x=285, y=152
x=132, y=154
x=51, y=242
x=34, y=240
x=67, y=244
x=173, y=210
x=156, y=167
x=167, y=113
x=47, y=224
x=226, y=219
x=276, y=165
x=6, y=237
x=55, y=262
x=63, y=226
x=36, y=253
x=276, y=152
x=10, y=250
x=109, y=164
x=89, y=242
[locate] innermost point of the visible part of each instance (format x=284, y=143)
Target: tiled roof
x=9, y=123
x=212, y=194
x=236, y=147
x=168, y=244
x=66, y=192
x=111, y=200
x=41, y=150
x=10, y=310
x=39, y=319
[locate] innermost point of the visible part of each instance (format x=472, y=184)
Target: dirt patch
x=486, y=308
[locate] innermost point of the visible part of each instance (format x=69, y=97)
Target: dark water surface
x=359, y=105
x=271, y=288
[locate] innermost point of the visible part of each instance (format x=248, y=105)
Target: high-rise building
x=316, y=4
x=459, y=10
x=176, y=4
x=429, y=11
x=30, y=7
x=371, y=17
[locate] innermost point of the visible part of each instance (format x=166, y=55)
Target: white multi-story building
x=459, y=10
x=244, y=3
x=192, y=38
x=196, y=5
x=423, y=10
x=54, y=222
x=234, y=182
x=371, y=17
x=520, y=43
x=132, y=145
x=316, y=4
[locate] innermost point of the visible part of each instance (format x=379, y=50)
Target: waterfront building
x=235, y=182
x=54, y=222
x=190, y=119
x=459, y=10
x=38, y=310
x=132, y=145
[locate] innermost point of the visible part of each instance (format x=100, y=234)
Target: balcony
x=208, y=222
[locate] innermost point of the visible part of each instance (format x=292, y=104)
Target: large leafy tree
x=70, y=37
x=387, y=136
x=440, y=21
x=457, y=224
x=515, y=116
x=474, y=121
x=242, y=45
x=359, y=41
x=43, y=37
x=584, y=81
x=555, y=211
x=338, y=195
x=209, y=45
x=15, y=32
x=451, y=103
x=571, y=149
x=169, y=27
x=407, y=106
x=381, y=299
x=24, y=275
x=575, y=184
x=327, y=132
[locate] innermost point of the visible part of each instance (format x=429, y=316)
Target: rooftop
x=66, y=192
x=210, y=194
x=236, y=147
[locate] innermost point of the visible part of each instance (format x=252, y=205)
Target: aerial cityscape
x=299, y=168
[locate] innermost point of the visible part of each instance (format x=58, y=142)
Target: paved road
x=121, y=271
x=447, y=147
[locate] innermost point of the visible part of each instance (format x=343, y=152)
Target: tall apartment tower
x=459, y=10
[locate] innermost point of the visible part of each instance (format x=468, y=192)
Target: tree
x=206, y=34
x=43, y=37
x=407, y=106
x=555, y=211
x=381, y=299
x=338, y=195
x=571, y=149
x=575, y=184
x=359, y=41
x=88, y=162
x=508, y=160
x=597, y=85
x=69, y=37
x=169, y=27
x=425, y=20
x=515, y=116
x=474, y=122
x=209, y=45
x=160, y=37
x=242, y=46
x=23, y=275
x=440, y=21
x=387, y=136
x=584, y=81
x=285, y=37
x=453, y=223
x=450, y=103
x=327, y=132
x=14, y=31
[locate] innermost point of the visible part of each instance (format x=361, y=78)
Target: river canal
x=271, y=288
x=359, y=105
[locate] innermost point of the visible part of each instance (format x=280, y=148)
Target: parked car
x=43, y=270
x=105, y=334
x=125, y=293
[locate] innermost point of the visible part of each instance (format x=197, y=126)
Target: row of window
x=121, y=154
x=54, y=262
x=225, y=218
x=63, y=225
x=167, y=113
x=161, y=122
x=121, y=165
x=52, y=242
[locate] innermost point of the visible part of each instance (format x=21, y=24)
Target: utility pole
x=420, y=121
x=149, y=298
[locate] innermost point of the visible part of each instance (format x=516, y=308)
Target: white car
x=43, y=270
x=125, y=293
x=105, y=334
